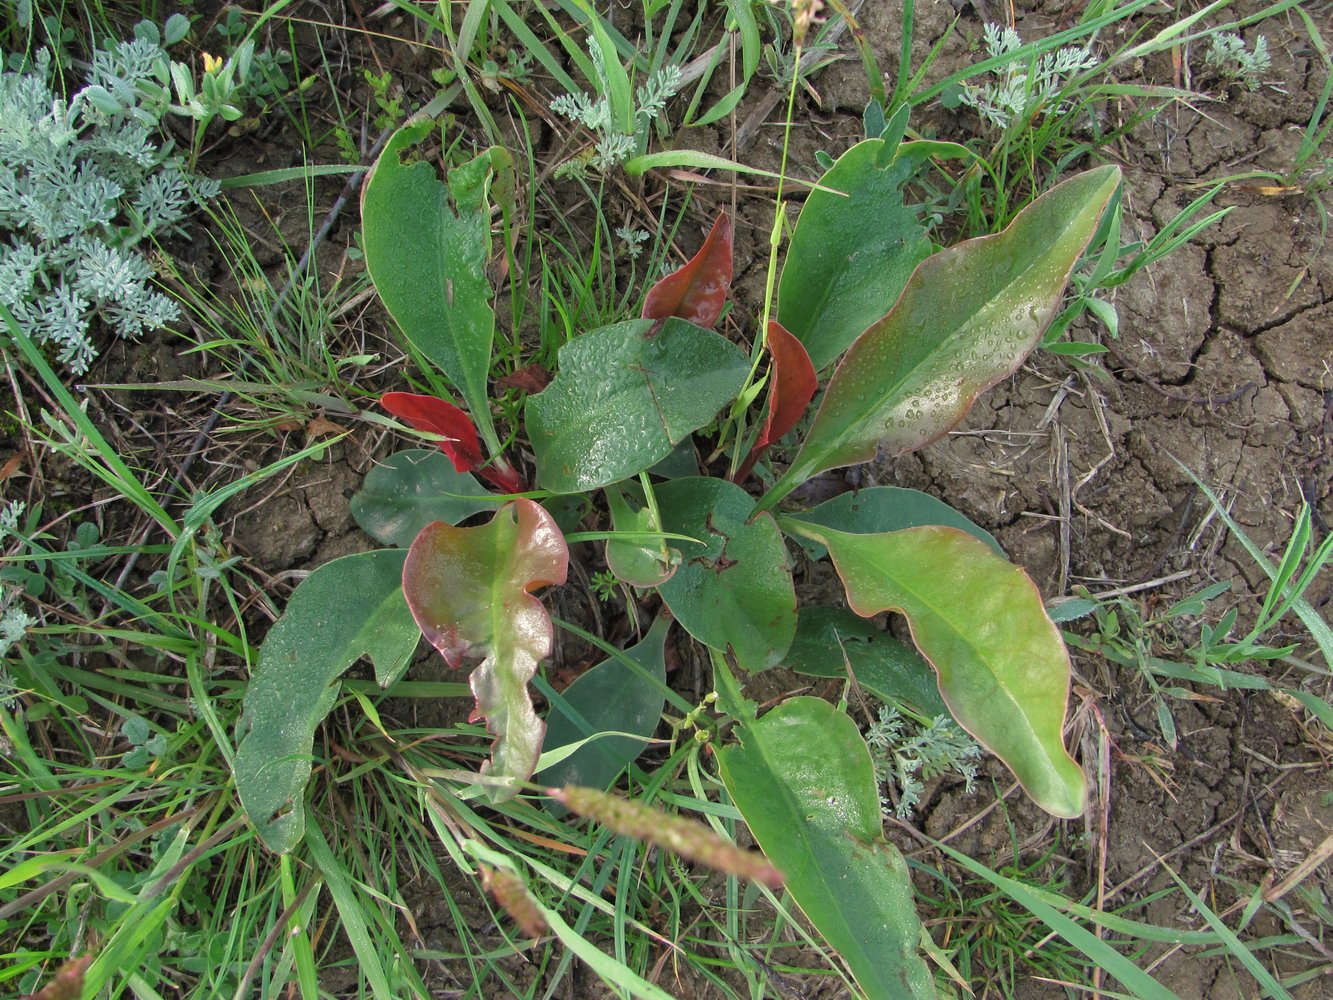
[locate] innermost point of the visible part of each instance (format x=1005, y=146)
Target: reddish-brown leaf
x=792, y=385
x=427, y=413
x=532, y=379
x=458, y=436
x=470, y=591
x=698, y=290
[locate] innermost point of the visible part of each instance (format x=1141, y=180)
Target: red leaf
x=698, y=290
x=792, y=386
x=427, y=413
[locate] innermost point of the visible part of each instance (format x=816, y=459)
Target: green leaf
x=623, y=398
x=610, y=697
x=803, y=779
x=470, y=590
x=966, y=319
x=1002, y=667
x=409, y=490
x=426, y=247
x=640, y=563
x=830, y=641
x=878, y=509
x=734, y=590
x=850, y=256
x=345, y=609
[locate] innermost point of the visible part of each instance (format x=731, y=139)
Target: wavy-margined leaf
x=409, y=490
x=624, y=396
x=733, y=590
x=967, y=318
x=610, y=697
x=850, y=256
x=470, y=590
x=347, y=608
x=426, y=247
x=802, y=777
x=1002, y=667
x=697, y=290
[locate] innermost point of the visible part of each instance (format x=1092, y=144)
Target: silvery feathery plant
x=84, y=181
x=615, y=145
x=1023, y=89
x=1228, y=57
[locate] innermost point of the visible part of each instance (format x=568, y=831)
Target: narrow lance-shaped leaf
x=1002, y=667
x=470, y=590
x=426, y=247
x=345, y=609
x=792, y=385
x=967, y=318
x=697, y=291
x=802, y=777
x=458, y=436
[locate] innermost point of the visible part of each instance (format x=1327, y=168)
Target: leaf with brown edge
x=698, y=290
x=458, y=435
x=470, y=591
x=791, y=387
x=967, y=318
x=1000, y=662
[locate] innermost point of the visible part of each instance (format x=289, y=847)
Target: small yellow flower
x=212, y=63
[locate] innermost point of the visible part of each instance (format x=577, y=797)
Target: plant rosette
x=888, y=340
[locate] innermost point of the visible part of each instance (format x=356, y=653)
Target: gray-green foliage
x=1228, y=57
x=594, y=113
x=84, y=181
x=906, y=754
x=1021, y=89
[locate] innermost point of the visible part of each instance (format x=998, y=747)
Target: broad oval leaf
x=347, y=608
x=877, y=509
x=470, y=591
x=851, y=255
x=734, y=589
x=697, y=291
x=1002, y=667
x=409, y=490
x=967, y=318
x=426, y=246
x=803, y=779
x=610, y=697
x=624, y=396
